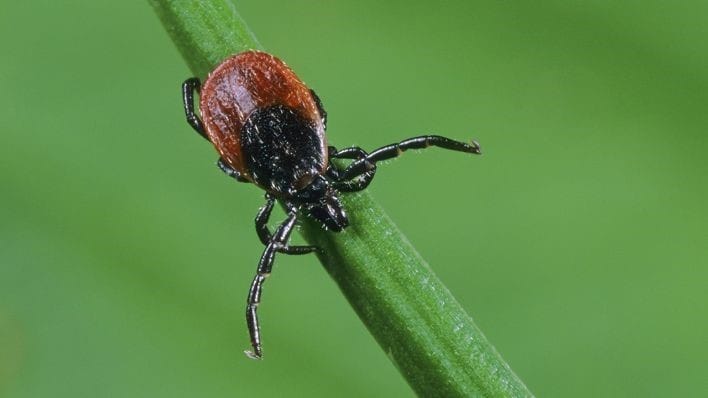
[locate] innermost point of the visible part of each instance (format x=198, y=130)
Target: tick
x=269, y=130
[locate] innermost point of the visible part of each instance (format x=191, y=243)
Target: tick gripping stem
x=269, y=130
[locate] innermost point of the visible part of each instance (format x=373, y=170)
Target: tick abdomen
x=282, y=150
x=246, y=86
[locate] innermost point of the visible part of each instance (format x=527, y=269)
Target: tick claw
x=476, y=148
x=253, y=355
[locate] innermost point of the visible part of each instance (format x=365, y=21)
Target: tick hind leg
x=277, y=243
x=188, y=88
x=363, y=165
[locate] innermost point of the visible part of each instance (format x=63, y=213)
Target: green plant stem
x=412, y=315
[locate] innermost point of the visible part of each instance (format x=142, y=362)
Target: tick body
x=269, y=130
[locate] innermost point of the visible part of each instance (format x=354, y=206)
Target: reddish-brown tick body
x=255, y=81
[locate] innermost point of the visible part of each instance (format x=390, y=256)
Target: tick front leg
x=264, y=233
x=188, y=88
x=356, y=182
x=265, y=266
x=391, y=151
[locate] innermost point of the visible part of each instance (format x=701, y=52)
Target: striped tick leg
x=276, y=243
x=362, y=166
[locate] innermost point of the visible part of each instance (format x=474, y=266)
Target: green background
x=578, y=242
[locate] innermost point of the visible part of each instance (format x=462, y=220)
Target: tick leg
x=264, y=233
x=353, y=152
x=391, y=151
x=265, y=266
x=357, y=182
x=188, y=88
x=262, y=220
x=332, y=171
x=320, y=108
x=229, y=171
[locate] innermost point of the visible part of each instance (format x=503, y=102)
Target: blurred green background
x=578, y=242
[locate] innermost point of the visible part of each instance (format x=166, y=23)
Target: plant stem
x=412, y=315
